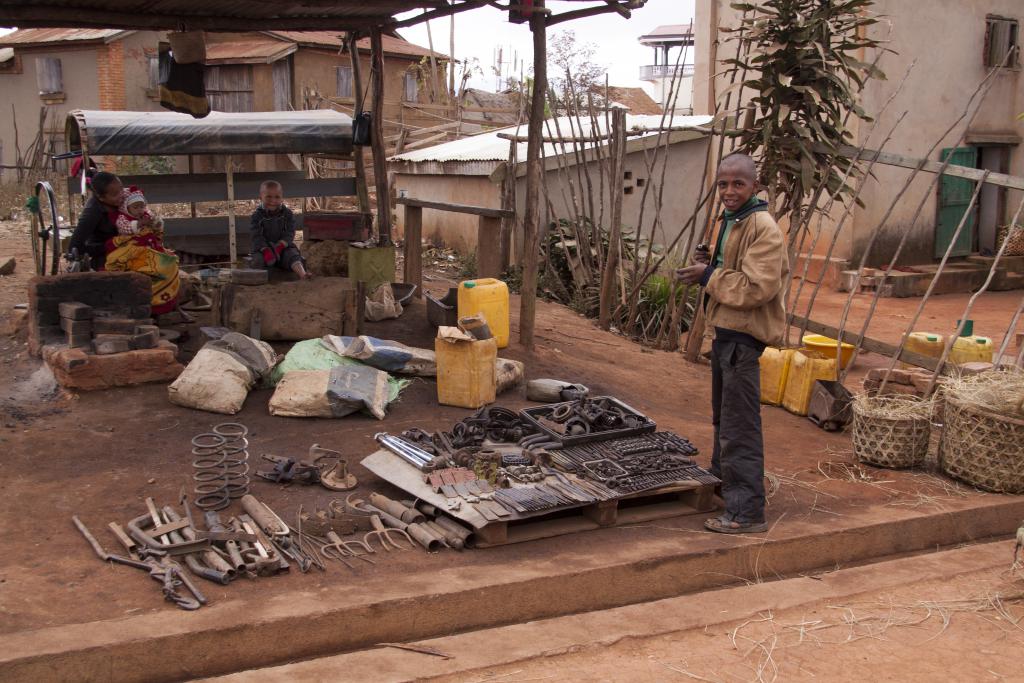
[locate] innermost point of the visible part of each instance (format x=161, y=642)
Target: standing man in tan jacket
x=744, y=286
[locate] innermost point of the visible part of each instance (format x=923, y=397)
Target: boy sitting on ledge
x=272, y=227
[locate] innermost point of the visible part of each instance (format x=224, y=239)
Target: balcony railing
x=653, y=72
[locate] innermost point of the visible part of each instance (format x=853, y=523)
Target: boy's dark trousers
x=738, y=456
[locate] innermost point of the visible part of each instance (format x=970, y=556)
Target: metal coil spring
x=221, y=465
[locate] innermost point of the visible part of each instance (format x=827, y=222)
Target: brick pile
x=94, y=330
x=913, y=381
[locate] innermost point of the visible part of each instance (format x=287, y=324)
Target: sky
x=479, y=32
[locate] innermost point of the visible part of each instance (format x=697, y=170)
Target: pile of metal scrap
x=252, y=544
x=578, y=452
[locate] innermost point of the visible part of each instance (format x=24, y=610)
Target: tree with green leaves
x=800, y=59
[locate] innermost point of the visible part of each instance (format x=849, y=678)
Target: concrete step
x=286, y=626
x=470, y=654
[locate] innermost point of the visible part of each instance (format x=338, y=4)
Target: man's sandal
x=724, y=525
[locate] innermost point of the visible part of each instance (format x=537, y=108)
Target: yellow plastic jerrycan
x=804, y=369
x=925, y=343
x=774, y=372
x=490, y=297
x=971, y=349
x=466, y=375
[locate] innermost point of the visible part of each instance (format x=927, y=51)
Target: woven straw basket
x=894, y=442
x=982, y=448
x=1015, y=247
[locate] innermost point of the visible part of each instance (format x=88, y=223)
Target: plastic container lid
x=932, y=337
x=981, y=340
x=469, y=284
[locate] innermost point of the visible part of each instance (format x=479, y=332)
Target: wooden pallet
x=683, y=498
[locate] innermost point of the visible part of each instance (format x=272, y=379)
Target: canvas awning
x=170, y=133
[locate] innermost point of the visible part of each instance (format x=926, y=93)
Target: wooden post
x=531, y=238
x=488, y=247
x=380, y=173
x=611, y=264
x=191, y=170
x=414, y=248
x=229, y=171
x=357, y=109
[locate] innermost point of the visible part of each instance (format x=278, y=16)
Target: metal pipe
x=393, y=507
x=449, y=524
x=192, y=561
x=424, y=536
x=450, y=539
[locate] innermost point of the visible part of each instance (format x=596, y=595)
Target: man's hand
x=691, y=274
x=702, y=254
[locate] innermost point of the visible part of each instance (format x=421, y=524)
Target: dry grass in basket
x=995, y=391
x=893, y=407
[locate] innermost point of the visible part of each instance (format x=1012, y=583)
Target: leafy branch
x=801, y=56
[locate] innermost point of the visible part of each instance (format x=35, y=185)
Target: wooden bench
x=489, y=254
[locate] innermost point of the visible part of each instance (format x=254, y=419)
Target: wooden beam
x=531, y=219
x=455, y=208
x=437, y=13
x=232, y=242
x=380, y=166
x=618, y=159
x=589, y=12
x=868, y=344
x=414, y=247
x=488, y=247
x=28, y=16
x=425, y=142
x=889, y=159
x=357, y=108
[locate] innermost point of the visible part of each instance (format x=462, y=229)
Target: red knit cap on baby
x=133, y=195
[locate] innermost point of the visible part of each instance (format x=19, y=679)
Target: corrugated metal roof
x=489, y=147
x=669, y=30
x=246, y=48
x=40, y=36
x=332, y=39
x=635, y=99
x=223, y=15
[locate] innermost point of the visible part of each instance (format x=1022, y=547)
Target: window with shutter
x=345, y=81
x=1002, y=45
x=411, y=88
x=49, y=76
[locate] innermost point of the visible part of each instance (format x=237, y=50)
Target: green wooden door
x=954, y=197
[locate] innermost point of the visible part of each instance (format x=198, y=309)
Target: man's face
x=271, y=198
x=735, y=186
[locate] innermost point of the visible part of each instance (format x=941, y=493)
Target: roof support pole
x=380, y=170
x=357, y=109
x=229, y=172
x=531, y=216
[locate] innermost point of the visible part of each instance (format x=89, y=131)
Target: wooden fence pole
x=531, y=218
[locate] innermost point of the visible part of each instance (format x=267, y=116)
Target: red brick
x=74, y=369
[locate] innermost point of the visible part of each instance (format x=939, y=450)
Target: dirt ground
x=970, y=628
x=99, y=454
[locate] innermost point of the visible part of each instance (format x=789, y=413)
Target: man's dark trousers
x=738, y=456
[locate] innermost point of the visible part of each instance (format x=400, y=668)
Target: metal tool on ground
x=588, y=419
x=380, y=532
x=221, y=464
x=336, y=477
x=288, y=470
x=161, y=569
x=341, y=550
x=414, y=455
